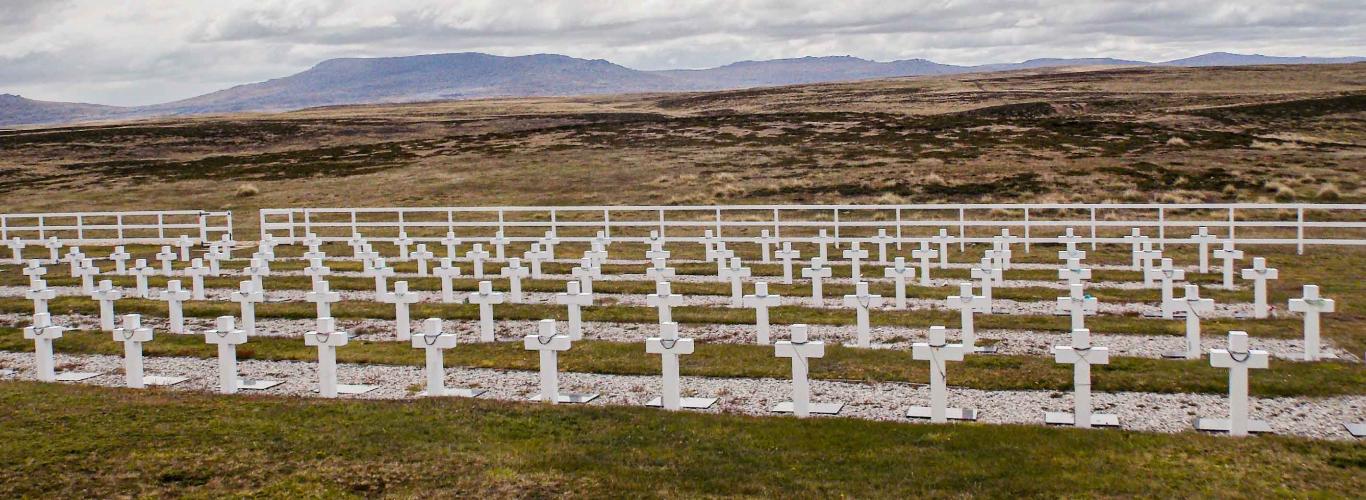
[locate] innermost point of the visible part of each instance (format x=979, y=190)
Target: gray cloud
x=160, y=50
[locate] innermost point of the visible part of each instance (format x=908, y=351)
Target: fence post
x=1162, y=228
x=1026, y=229
x=777, y=225
x=1231, y=225
x=661, y=224
x=962, y=231
x=837, y=227
x=607, y=223
x=1299, y=231
x=898, y=228
x=718, y=223
x=1093, y=228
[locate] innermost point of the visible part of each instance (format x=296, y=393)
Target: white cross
x=358, y=245
x=658, y=271
x=989, y=274
x=450, y=242
x=822, y=239
x=1259, y=273
x=815, y=273
x=35, y=272
x=477, y=256
x=120, y=258
x=166, y=257
x=323, y=297
x=486, y=298
x=1228, y=254
x=534, y=256
x=74, y=257
x=140, y=274
x=800, y=350
x=574, y=300
x=447, y=273
x=736, y=274
x=197, y=272
x=327, y=339
x=708, y=242
x=669, y=347
x=1081, y=355
x=787, y=254
x=584, y=273
x=900, y=274
x=314, y=245
x=938, y=352
x=403, y=242
x=854, y=254
x=765, y=246
x=720, y=254
x=1073, y=272
x=1167, y=275
x=500, y=244
x=248, y=296
x=317, y=271
x=925, y=253
x=601, y=241
x=227, y=338
x=54, y=247
x=1070, y=239
x=664, y=300
x=106, y=294
x=1238, y=358
x=433, y=341
x=514, y=272
x=761, y=301
x=174, y=297
x=16, y=248
x=549, y=344
x=257, y=270
x=862, y=301
x=87, y=272
x=1135, y=239
x=40, y=295
x=999, y=253
x=42, y=333
x=1077, y=305
x=882, y=239
x=657, y=251
x=549, y=241
x=226, y=245
x=1147, y=257
x=1193, y=306
x=421, y=255
x=966, y=303
x=212, y=259
x=381, y=273
x=1311, y=304
x=943, y=239
x=402, y=298
x=597, y=254
x=132, y=334
x=1202, y=240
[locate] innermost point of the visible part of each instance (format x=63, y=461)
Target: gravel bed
x=1321, y=418
x=1021, y=342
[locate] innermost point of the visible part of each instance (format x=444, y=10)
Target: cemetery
x=330, y=304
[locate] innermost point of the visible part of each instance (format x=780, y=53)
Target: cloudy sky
x=148, y=51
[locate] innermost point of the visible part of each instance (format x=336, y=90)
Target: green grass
x=995, y=372
x=78, y=441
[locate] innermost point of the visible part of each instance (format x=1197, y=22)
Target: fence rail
x=136, y=227
x=1299, y=224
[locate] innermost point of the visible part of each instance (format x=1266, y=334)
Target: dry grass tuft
x=247, y=190
x=1177, y=142
x=1329, y=192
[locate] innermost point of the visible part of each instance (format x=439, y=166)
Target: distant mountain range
x=474, y=75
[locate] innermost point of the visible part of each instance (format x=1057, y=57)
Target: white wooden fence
x=1298, y=224
x=138, y=227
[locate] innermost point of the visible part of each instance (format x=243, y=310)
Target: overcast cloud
x=149, y=51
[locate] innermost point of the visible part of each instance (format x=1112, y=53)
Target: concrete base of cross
x=1222, y=425
x=985, y=349
x=813, y=408
x=571, y=398
x=257, y=385
x=355, y=388
x=161, y=380
x=459, y=393
x=1065, y=418
x=1175, y=355
x=967, y=414
x=74, y=376
x=689, y=403
x=1357, y=430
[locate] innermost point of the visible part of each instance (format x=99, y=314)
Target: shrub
x=247, y=190
x=1177, y=142
x=1329, y=192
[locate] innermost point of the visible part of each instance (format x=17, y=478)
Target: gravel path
x=1022, y=342
x=1321, y=418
